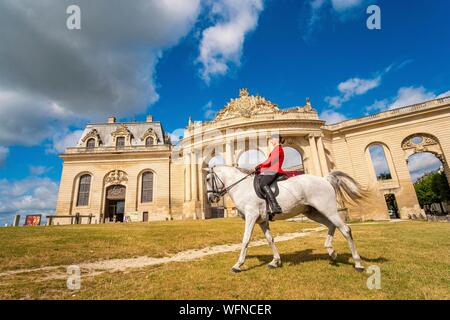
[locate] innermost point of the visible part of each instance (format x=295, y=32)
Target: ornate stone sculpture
x=246, y=106
x=149, y=133
x=122, y=130
x=92, y=134
x=116, y=177
x=425, y=141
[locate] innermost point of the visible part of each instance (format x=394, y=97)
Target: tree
x=432, y=188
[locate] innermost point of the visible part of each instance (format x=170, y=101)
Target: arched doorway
x=293, y=161
x=115, y=203
x=215, y=210
x=250, y=159
x=430, y=182
x=429, y=171
x=216, y=161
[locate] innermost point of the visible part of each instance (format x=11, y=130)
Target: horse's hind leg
x=315, y=215
x=347, y=233
x=329, y=242
x=276, y=262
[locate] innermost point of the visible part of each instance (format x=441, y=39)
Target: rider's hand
x=257, y=168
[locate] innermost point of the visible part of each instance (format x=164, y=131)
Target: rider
x=270, y=170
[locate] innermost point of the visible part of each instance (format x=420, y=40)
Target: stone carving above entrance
x=116, y=192
x=116, y=177
x=246, y=106
x=419, y=142
x=422, y=142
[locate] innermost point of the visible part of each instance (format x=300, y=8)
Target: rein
x=215, y=189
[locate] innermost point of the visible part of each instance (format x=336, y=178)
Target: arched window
x=293, y=160
x=120, y=142
x=84, y=188
x=249, y=159
x=216, y=161
x=149, y=141
x=90, y=144
x=147, y=187
x=379, y=162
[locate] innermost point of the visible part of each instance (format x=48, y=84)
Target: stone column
x=194, y=180
x=229, y=153
x=16, y=220
x=322, y=157
x=187, y=177
x=314, y=157
x=446, y=167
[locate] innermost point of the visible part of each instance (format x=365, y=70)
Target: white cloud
x=410, y=95
x=28, y=195
x=445, y=94
x=3, y=154
x=52, y=76
x=406, y=96
x=222, y=43
x=332, y=117
x=352, y=87
x=209, y=112
x=379, y=160
x=61, y=141
x=421, y=163
x=344, y=5
x=318, y=10
x=38, y=170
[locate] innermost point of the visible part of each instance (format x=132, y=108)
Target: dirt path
x=112, y=265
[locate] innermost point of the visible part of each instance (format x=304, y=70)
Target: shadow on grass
x=307, y=255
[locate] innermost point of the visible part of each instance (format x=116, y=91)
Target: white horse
x=313, y=196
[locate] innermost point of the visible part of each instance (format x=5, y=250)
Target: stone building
x=132, y=171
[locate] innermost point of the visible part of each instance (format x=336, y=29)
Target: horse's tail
x=346, y=187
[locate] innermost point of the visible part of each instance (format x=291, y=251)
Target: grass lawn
x=414, y=258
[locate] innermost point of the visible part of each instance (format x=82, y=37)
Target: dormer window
x=91, y=139
x=90, y=144
x=150, y=141
x=120, y=142
x=149, y=137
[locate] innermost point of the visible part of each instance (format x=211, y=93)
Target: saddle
x=274, y=186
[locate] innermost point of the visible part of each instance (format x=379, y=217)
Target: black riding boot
x=274, y=206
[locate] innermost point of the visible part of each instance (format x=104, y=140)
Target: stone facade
x=117, y=154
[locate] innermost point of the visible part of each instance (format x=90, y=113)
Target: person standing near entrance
x=270, y=170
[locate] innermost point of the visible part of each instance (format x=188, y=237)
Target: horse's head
x=215, y=188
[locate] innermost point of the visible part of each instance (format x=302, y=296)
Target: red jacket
x=274, y=162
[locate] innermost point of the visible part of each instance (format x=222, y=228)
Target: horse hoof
x=274, y=266
x=359, y=269
x=333, y=256
x=235, y=270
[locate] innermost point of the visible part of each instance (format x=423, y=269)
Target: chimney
x=149, y=118
x=111, y=119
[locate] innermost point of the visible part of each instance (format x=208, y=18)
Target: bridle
x=220, y=191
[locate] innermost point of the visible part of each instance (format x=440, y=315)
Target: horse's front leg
x=250, y=221
x=276, y=262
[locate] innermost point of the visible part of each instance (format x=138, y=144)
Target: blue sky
x=188, y=58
